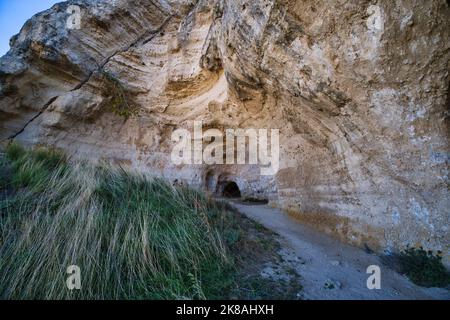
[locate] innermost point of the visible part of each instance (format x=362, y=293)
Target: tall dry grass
x=132, y=237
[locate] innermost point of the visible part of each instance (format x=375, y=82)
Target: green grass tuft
x=424, y=268
x=34, y=168
x=15, y=151
x=132, y=237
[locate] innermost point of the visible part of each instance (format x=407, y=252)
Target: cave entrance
x=231, y=190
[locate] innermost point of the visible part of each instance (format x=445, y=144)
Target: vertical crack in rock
x=44, y=108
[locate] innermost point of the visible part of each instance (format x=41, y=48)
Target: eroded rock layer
x=359, y=90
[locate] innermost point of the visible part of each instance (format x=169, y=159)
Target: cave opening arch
x=230, y=189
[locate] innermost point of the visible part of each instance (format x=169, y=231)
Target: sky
x=13, y=15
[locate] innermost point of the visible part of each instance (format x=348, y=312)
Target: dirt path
x=328, y=268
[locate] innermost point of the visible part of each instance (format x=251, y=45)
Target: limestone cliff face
x=359, y=90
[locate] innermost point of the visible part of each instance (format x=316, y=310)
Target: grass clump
x=132, y=237
x=119, y=99
x=33, y=169
x=14, y=151
x=424, y=268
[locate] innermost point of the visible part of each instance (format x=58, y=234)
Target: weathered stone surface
x=359, y=90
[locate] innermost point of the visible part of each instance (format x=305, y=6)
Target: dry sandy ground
x=328, y=268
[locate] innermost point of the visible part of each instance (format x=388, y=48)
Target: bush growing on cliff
x=119, y=99
x=424, y=268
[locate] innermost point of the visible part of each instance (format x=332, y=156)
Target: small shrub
x=14, y=151
x=33, y=168
x=120, y=104
x=424, y=268
x=133, y=237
